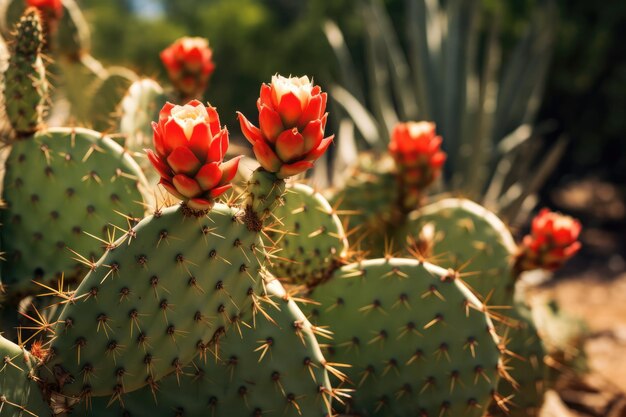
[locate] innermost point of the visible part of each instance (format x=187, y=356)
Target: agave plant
x=455, y=73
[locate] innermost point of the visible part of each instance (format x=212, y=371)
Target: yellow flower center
x=300, y=86
x=188, y=116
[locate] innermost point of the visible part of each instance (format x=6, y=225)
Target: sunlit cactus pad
x=308, y=235
x=165, y=294
x=19, y=393
x=272, y=368
x=463, y=235
x=417, y=339
x=60, y=185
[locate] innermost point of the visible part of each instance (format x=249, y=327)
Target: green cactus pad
x=370, y=198
x=526, y=368
x=166, y=293
x=464, y=235
x=19, y=393
x=139, y=107
x=273, y=368
x=417, y=339
x=59, y=185
x=106, y=93
x=310, y=241
x=26, y=87
x=264, y=193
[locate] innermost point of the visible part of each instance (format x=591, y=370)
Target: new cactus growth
x=26, y=86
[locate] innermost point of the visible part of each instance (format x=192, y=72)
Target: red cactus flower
x=189, y=65
x=553, y=239
x=190, y=146
x=51, y=9
x=416, y=149
x=292, y=119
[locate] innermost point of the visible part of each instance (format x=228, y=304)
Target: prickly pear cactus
x=139, y=107
x=464, y=235
x=308, y=237
x=369, y=200
x=19, y=392
x=416, y=337
x=106, y=93
x=61, y=184
x=526, y=367
x=26, y=87
x=272, y=367
x=164, y=294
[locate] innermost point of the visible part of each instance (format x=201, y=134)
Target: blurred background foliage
x=253, y=39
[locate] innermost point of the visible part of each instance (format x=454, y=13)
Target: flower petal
x=183, y=161
x=200, y=140
x=312, y=134
x=250, y=131
x=217, y=191
x=200, y=203
x=270, y=123
x=158, y=164
x=229, y=169
x=166, y=111
x=186, y=186
x=157, y=138
x=213, y=120
x=220, y=190
x=266, y=156
x=290, y=145
x=289, y=170
x=319, y=151
x=218, y=146
x=290, y=109
x=170, y=188
x=209, y=176
x=313, y=111
x=173, y=135
x=265, y=97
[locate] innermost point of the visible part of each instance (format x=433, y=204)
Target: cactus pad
x=275, y=368
x=467, y=236
x=417, y=339
x=311, y=241
x=164, y=294
x=19, y=393
x=370, y=197
x=59, y=185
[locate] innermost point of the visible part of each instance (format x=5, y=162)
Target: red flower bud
x=190, y=146
x=189, y=65
x=415, y=147
x=51, y=9
x=553, y=239
x=292, y=119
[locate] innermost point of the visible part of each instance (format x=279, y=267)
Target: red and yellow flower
x=416, y=148
x=189, y=64
x=190, y=146
x=553, y=240
x=292, y=119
